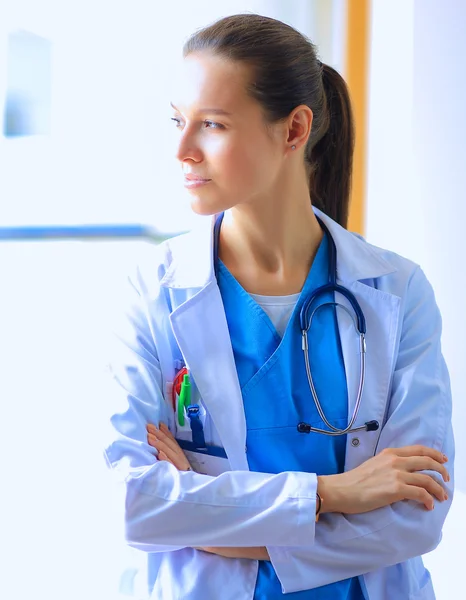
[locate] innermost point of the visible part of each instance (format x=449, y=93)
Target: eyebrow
x=211, y=111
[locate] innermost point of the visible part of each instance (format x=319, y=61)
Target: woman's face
x=227, y=153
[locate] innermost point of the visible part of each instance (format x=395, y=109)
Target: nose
x=188, y=149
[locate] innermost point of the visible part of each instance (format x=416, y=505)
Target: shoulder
x=408, y=281
x=359, y=260
x=176, y=262
x=403, y=275
x=153, y=261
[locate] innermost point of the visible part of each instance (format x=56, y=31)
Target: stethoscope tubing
x=359, y=323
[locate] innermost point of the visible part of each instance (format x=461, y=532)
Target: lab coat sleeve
x=166, y=509
x=419, y=413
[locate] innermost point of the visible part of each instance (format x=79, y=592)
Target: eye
x=177, y=121
x=213, y=125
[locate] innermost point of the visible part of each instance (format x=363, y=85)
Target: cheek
x=242, y=166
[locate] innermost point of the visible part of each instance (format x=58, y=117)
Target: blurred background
x=88, y=181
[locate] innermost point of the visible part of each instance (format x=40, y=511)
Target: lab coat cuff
x=280, y=555
x=285, y=567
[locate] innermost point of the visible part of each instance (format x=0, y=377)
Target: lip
x=193, y=181
x=192, y=177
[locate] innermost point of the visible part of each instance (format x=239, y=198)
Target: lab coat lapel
x=382, y=312
x=201, y=330
x=358, y=265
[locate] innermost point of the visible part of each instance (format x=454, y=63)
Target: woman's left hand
x=169, y=450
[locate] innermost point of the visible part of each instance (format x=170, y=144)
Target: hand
x=389, y=477
x=168, y=448
x=259, y=553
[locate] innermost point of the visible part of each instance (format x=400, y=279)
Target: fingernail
x=446, y=496
x=445, y=458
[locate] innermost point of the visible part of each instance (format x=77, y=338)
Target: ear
x=299, y=125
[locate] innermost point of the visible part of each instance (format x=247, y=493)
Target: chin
x=202, y=210
x=204, y=207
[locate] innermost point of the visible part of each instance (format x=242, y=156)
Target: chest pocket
x=196, y=421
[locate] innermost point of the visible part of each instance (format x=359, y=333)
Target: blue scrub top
x=276, y=395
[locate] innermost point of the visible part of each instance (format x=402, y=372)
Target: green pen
x=184, y=399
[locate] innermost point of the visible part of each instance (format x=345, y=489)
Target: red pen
x=177, y=384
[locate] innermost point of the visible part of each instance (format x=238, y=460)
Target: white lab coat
x=175, y=311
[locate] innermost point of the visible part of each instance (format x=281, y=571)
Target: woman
x=234, y=487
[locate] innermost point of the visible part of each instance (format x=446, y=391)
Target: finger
x=177, y=458
x=419, y=450
x=164, y=429
x=151, y=428
x=429, y=484
x=159, y=444
x=169, y=440
x=158, y=434
x=425, y=463
x=418, y=494
x=162, y=456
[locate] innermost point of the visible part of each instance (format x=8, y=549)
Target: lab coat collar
x=356, y=259
x=191, y=256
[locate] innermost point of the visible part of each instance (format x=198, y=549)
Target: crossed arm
x=390, y=476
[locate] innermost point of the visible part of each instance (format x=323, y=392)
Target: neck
x=270, y=246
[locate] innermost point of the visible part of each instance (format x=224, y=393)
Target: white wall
x=417, y=190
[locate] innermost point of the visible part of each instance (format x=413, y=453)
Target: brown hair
x=287, y=74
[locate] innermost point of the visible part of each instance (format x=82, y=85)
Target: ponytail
x=331, y=158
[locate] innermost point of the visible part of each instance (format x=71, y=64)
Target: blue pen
x=197, y=428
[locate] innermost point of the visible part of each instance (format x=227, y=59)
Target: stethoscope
x=305, y=318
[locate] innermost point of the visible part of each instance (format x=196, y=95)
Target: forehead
x=206, y=81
